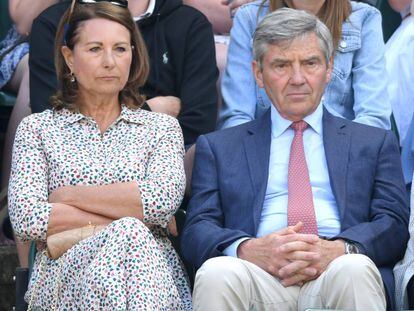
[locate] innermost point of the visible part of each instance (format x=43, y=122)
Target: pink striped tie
x=300, y=199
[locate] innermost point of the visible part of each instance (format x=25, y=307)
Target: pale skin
x=294, y=76
x=399, y=5
x=23, y=12
x=100, y=62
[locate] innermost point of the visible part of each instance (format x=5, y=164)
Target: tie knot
x=299, y=126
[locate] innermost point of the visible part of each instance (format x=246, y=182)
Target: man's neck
x=138, y=7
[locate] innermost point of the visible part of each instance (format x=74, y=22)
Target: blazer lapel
x=257, y=148
x=337, y=139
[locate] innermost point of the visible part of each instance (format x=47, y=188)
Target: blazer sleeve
x=384, y=236
x=204, y=235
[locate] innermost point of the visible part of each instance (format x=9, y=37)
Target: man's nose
x=297, y=76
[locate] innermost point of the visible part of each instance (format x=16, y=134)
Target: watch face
x=351, y=248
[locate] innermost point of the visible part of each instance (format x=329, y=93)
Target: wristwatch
x=351, y=248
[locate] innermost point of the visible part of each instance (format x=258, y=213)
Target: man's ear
x=329, y=70
x=68, y=56
x=257, y=72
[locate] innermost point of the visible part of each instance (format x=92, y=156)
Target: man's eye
x=95, y=49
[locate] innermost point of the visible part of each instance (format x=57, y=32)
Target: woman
x=357, y=90
x=96, y=159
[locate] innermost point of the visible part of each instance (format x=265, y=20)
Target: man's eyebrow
x=312, y=58
x=279, y=60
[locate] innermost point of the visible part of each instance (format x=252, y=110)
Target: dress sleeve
x=162, y=189
x=28, y=188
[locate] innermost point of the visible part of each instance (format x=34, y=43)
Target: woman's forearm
x=112, y=201
x=65, y=217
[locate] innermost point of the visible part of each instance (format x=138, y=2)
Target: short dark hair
x=68, y=34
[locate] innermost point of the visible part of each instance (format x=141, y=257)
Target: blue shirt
x=274, y=212
x=358, y=87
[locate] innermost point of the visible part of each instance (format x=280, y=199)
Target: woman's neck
x=310, y=6
x=103, y=110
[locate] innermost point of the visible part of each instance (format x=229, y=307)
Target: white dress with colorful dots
x=125, y=266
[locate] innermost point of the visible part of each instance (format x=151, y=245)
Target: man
x=309, y=209
x=183, y=72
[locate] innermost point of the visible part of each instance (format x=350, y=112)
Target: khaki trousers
x=350, y=282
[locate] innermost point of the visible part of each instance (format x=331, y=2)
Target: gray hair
x=283, y=26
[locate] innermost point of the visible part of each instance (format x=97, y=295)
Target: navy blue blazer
x=230, y=178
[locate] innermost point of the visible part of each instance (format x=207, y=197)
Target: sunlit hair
x=333, y=13
x=283, y=26
x=68, y=34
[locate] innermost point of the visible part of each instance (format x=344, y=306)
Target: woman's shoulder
x=361, y=11
x=39, y=119
x=254, y=7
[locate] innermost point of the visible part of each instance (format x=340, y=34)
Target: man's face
x=294, y=76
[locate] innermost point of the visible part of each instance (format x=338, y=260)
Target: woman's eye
x=120, y=49
x=94, y=49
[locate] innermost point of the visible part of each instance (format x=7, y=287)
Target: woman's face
x=311, y=6
x=101, y=58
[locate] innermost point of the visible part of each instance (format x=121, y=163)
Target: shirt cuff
x=231, y=250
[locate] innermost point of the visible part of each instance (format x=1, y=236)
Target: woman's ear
x=68, y=56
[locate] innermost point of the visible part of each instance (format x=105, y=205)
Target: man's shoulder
x=231, y=135
x=187, y=15
x=53, y=14
x=361, y=132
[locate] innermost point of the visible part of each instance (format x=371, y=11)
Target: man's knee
x=222, y=271
x=353, y=268
x=353, y=263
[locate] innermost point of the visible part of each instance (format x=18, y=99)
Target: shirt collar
x=69, y=117
x=131, y=116
x=148, y=12
x=280, y=124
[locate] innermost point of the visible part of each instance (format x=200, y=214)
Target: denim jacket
x=358, y=87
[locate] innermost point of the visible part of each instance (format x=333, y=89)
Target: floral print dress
x=126, y=266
